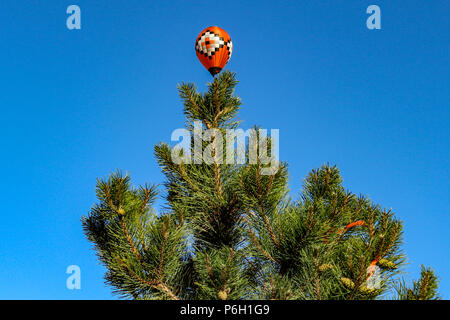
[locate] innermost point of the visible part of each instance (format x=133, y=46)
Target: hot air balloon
x=213, y=47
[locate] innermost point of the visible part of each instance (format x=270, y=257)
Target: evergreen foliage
x=231, y=232
x=423, y=289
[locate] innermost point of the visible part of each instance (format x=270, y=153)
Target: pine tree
x=228, y=231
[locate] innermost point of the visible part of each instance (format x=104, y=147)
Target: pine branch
x=230, y=232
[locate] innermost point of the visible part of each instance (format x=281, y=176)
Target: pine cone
x=386, y=264
x=222, y=295
x=325, y=267
x=348, y=283
x=368, y=291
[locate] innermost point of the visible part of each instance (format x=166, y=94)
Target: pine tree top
x=232, y=232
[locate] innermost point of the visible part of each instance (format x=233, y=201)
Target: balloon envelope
x=213, y=48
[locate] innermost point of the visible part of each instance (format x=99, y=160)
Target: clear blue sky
x=78, y=104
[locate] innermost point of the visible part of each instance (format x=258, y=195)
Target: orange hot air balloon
x=213, y=47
